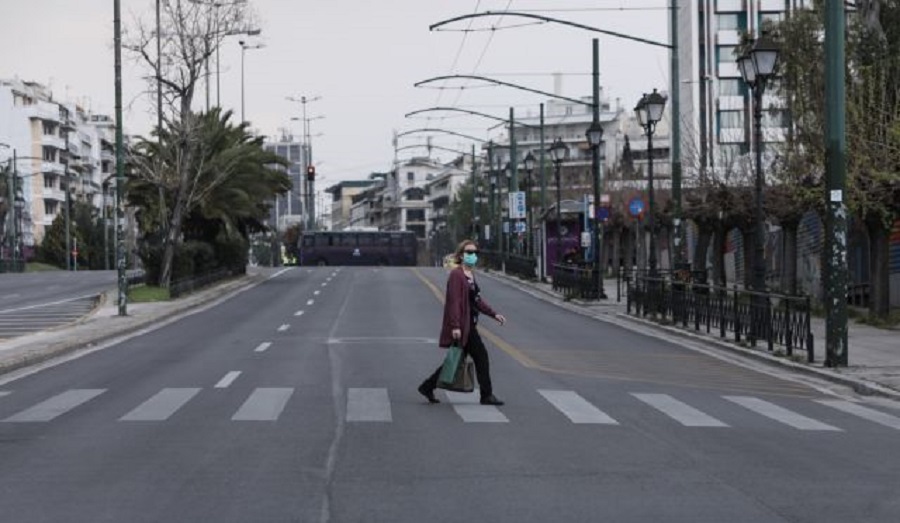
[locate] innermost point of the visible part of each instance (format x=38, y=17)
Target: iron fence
x=12, y=266
x=188, y=285
x=775, y=319
x=573, y=282
x=136, y=278
x=522, y=266
x=491, y=260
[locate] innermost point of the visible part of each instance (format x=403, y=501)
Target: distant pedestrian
x=462, y=305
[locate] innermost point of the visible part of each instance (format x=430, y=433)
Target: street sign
x=604, y=199
x=636, y=207
x=585, y=239
x=517, y=205
x=520, y=227
x=505, y=227
x=487, y=232
x=603, y=214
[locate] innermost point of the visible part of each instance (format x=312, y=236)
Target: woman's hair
x=462, y=247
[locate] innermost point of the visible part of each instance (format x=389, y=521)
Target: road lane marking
x=228, y=379
x=679, y=411
x=576, y=408
x=468, y=408
x=263, y=346
x=48, y=304
x=9, y=296
x=161, y=406
x=368, y=405
x=316, y=293
x=263, y=405
x=56, y=406
x=5, y=393
x=284, y=327
x=298, y=313
x=310, y=302
x=864, y=412
x=324, y=284
x=781, y=414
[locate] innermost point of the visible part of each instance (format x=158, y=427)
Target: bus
x=358, y=248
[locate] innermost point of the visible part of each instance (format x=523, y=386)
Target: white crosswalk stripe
x=576, y=408
x=781, y=414
x=368, y=405
x=161, y=406
x=228, y=379
x=471, y=411
x=864, y=412
x=264, y=404
x=679, y=411
x=56, y=406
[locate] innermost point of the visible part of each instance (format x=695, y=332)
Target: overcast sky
x=362, y=57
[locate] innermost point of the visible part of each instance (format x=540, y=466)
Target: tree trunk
x=789, y=254
x=701, y=250
x=719, y=256
x=879, y=269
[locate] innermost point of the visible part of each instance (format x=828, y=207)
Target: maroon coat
x=457, y=314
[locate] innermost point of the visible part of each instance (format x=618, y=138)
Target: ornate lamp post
x=649, y=111
x=594, y=135
x=757, y=68
x=529, y=170
x=559, y=152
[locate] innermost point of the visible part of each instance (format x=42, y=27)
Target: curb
x=859, y=385
x=33, y=356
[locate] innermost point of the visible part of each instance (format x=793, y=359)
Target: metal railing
x=188, y=285
x=573, y=282
x=491, y=260
x=136, y=278
x=522, y=266
x=12, y=266
x=775, y=319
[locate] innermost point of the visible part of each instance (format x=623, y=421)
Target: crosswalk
x=376, y=405
x=35, y=318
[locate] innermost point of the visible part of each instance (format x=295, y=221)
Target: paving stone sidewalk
x=874, y=353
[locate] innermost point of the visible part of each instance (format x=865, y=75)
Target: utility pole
x=676, y=133
x=514, y=179
x=68, y=207
x=120, y=164
x=474, y=193
x=836, y=345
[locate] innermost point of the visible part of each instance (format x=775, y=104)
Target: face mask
x=470, y=259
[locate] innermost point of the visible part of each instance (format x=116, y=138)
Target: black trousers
x=478, y=352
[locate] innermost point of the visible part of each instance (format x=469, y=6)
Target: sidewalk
x=874, y=353
x=105, y=324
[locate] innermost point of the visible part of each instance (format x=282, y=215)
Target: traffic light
x=311, y=173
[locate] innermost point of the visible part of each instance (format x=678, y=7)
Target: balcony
x=771, y=5
x=53, y=168
x=107, y=156
x=52, y=140
x=43, y=111
x=733, y=6
x=54, y=194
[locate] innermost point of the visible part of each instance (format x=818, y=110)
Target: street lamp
x=19, y=205
x=244, y=47
x=649, y=111
x=594, y=136
x=757, y=67
x=559, y=152
x=529, y=170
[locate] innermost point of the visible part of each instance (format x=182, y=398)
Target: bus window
x=330, y=239
x=347, y=239
x=309, y=241
x=384, y=240
x=366, y=240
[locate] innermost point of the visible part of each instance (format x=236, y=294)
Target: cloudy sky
x=362, y=57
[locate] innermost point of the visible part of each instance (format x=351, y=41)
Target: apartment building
x=57, y=145
x=290, y=208
x=716, y=105
x=342, y=194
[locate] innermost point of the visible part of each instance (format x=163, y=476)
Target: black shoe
x=491, y=400
x=428, y=393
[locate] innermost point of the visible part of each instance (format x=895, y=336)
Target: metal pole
x=836, y=345
x=513, y=183
x=596, y=175
x=120, y=166
x=543, y=167
x=652, y=254
x=68, y=204
x=105, y=230
x=674, y=76
x=159, y=116
x=11, y=220
x=474, y=205
x=558, y=217
x=243, y=99
x=490, y=153
x=759, y=249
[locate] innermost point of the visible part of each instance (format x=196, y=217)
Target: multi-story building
x=406, y=207
x=289, y=208
x=716, y=105
x=58, y=146
x=342, y=194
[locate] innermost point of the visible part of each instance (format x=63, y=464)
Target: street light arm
x=500, y=83
x=429, y=130
x=552, y=20
x=467, y=111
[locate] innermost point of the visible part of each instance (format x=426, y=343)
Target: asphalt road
x=296, y=401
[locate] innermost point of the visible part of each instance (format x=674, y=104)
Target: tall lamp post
x=244, y=47
x=757, y=68
x=649, y=111
x=529, y=169
x=559, y=152
x=594, y=135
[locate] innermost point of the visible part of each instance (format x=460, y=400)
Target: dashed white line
x=5, y=393
x=228, y=379
x=309, y=302
x=316, y=293
x=263, y=346
x=279, y=273
x=325, y=284
x=298, y=313
x=284, y=327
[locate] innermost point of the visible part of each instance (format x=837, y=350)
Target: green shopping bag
x=457, y=373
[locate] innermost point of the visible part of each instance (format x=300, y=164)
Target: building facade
x=342, y=194
x=290, y=208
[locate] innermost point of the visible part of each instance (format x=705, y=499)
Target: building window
x=411, y=177
x=731, y=119
x=728, y=21
x=728, y=153
x=415, y=215
x=48, y=154
x=49, y=129
x=418, y=229
x=295, y=153
x=730, y=87
x=726, y=54
x=49, y=182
